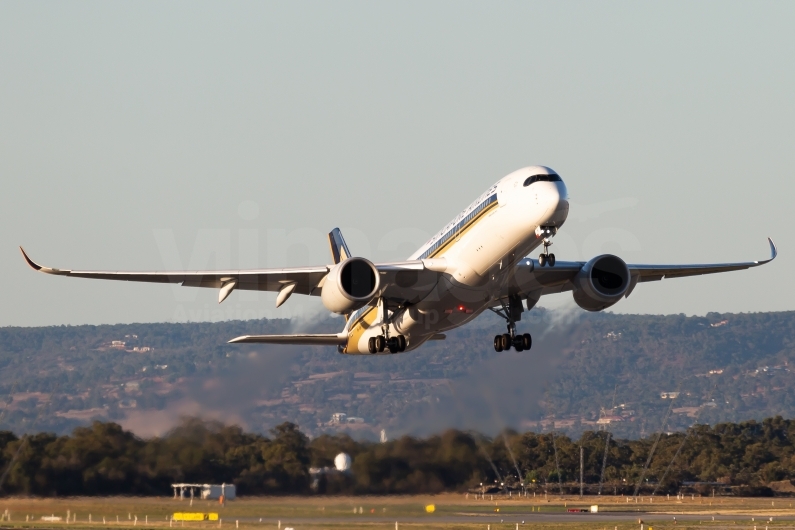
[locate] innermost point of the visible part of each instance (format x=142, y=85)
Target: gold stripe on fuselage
x=466, y=228
x=358, y=329
x=368, y=317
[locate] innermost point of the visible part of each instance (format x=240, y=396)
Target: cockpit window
x=542, y=178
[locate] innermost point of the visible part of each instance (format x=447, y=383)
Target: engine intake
x=349, y=285
x=601, y=282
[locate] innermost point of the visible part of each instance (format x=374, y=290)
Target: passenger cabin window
x=542, y=178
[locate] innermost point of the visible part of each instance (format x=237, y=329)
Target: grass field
x=451, y=511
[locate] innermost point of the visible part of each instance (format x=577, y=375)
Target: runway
x=529, y=518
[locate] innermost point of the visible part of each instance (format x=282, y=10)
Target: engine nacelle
x=601, y=282
x=350, y=284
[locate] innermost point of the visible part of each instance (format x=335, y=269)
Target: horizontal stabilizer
x=331, y=339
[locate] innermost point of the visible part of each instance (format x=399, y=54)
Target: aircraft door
x=503, y=191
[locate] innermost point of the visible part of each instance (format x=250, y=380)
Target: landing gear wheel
x=371, y=345
x=498, y=343
x=542, y=259
x=505, y=340
x=401, y=343
x=380, y=343
x=393, y=345
x=551, y=259
x=527, y=341
x=517, y=343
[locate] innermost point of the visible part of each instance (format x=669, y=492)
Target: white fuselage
x=475, y=252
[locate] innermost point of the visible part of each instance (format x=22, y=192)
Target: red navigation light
x=462, y=308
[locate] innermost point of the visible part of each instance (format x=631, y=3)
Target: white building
x=206, y=491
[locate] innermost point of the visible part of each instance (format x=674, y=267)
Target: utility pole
x=582, y=450
x=604, y=462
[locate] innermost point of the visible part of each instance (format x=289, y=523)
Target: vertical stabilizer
x=339, y=250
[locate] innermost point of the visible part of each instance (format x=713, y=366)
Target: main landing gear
x=506, y=340
x=511, y=314
x=383, y=342
x=545, y=257
x=380, y=343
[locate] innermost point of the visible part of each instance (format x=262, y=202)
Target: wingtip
x=41, y=268
x=237, y=339
x=773, y=253
x=33, y=265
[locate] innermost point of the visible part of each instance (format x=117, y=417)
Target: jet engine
x=349, y=285
x=601, y=282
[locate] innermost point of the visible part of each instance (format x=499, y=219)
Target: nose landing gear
x=545, y=257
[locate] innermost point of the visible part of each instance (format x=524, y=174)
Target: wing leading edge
x=649, y=273
x=405, y=281
x=530, y=278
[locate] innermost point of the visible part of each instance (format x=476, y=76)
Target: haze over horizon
x=155, y=136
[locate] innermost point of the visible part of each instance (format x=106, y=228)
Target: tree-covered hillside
x=585, y=372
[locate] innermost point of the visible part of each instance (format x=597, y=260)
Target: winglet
x=773, y=253
x=41, y=268
x=33, y=265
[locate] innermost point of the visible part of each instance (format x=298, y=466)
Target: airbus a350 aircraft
x=477, y=262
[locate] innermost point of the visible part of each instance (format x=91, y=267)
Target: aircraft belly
x=417, y=327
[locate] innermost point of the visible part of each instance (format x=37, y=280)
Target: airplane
x=477, y=262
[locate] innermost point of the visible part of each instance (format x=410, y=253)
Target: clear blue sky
x=152, y=135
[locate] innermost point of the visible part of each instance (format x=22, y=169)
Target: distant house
x=669, y=395
x=340, y=417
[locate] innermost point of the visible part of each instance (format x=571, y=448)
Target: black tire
x=371, y=345
x=380, y=343
x=517, y=343
x=542, y=260
x=527, y=341
x=506, y=341
x=551, y=260
x=401, y=343
x=393, y=347
x=498, y=343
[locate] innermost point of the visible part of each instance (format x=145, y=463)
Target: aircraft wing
x=402, y=281
x=532, y=279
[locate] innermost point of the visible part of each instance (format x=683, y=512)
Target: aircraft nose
x=556, y=199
